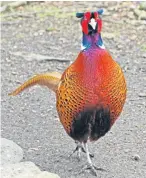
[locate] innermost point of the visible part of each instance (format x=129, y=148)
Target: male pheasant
x=91, y=92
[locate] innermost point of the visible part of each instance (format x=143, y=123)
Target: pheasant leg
x=80, y=147
x=90, y=164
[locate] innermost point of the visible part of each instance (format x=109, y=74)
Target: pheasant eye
x=96, y=15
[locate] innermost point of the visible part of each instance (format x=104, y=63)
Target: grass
x=41, y=11
x=143, y=47
x=49, y=29
x=20, y=36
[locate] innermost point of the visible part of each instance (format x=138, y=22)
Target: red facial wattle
x=99, y=22
x=85, y=22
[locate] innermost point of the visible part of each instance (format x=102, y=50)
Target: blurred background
x=38, y=37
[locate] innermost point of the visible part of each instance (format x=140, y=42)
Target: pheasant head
x=91, y=24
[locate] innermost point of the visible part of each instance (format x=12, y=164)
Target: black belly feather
x=91, y=124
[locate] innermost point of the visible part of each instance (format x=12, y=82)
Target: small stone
x=141, y=14
x=14, y=73
x=3, y=8
x=144, y=55
x=69, y=169
x=34, y=111
x=119, y=46
x=41, y=32
x=130, y=15
x=133, y=37
x=137, y=12
x=108, y=35
x=126, y=150
x=57, y=119
x=136, y=157
x=35, y=34
x=33, y=149
x=142, y=94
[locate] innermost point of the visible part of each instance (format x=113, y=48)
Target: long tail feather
x=51, y=80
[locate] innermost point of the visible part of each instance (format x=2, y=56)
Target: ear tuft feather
x=81, y=14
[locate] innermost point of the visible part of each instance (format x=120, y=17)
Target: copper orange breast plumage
x=94, y=79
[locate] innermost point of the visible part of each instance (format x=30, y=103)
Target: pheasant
x=91, y=92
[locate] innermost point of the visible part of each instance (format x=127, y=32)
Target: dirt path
x=31, y=119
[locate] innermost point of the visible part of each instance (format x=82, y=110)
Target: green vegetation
x=49, y=29
x=143, y=47
x=41, y=12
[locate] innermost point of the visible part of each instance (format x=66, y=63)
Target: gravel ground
x=31, y=120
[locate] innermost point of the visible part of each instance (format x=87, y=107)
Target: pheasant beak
x=92, y=27
x=93, y=23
